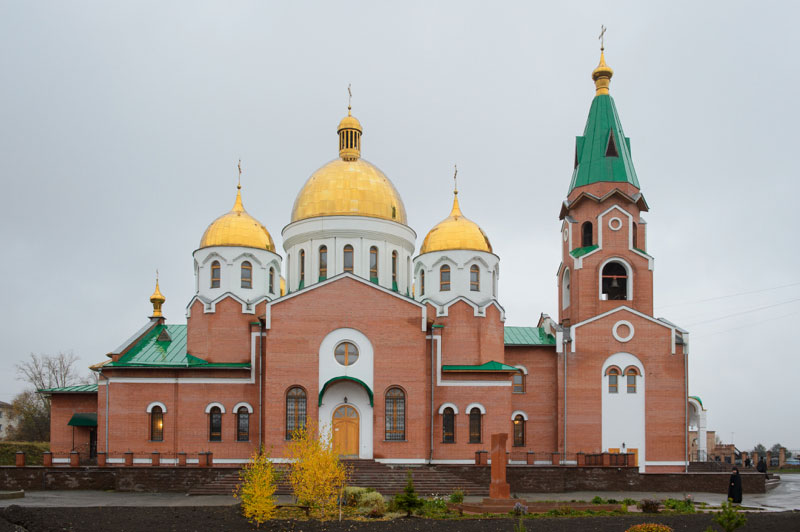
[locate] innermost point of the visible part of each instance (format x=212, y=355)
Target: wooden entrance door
x=635, y=453
x=345, y=431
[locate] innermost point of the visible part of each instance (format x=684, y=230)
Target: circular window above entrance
x=346, y=354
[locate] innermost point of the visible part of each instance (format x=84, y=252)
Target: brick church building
x=402, y=354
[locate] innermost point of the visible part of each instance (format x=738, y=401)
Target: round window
x=346, y=354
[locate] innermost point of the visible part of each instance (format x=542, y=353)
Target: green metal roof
x=594, y=164
x=345, y=378
x=83, y=419
x=151, y=353
x=79, y=388
x=695, y=397
x=489, y=366
x=527, y=336
x=580, y=252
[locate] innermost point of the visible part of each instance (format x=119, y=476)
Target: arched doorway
x=345, y=431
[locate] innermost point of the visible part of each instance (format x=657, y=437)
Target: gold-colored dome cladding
x=456, y=232
x=157, y=299
x=602, y=76
x=237, y=228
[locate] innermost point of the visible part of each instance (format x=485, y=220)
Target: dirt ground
x=224, y=518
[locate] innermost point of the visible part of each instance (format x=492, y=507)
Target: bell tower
x=605, y=263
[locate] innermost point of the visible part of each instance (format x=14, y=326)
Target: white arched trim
x=522, y=368
x=156, y=403
x=628, y=270
x=448, y=405
x=475, y=405
x=623, y=360
x=242, y=404
x=516, y=413
x=212, y=405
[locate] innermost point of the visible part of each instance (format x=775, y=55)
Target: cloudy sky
x=121, y=125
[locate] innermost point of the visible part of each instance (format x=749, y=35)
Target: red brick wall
x=223, y=335
x=62, y=406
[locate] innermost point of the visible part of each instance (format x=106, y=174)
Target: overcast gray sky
x=121, y=125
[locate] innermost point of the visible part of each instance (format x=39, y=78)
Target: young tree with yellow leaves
x=316, y=474
x=257, y=489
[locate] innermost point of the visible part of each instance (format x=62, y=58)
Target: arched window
x=346, y=354
x=422, y=282
x=348, y=258
x=586, y=234
x=615, y=281
x=215, y=274
x=157, y=424
x=565, y=289
x=215, y=424
x=242, y=424
x=444, y=278
x=247, y=275
x=475, y=425
x=632, y=373
x=518, y=382
x=634, y=237
x=302, y=268
x=474, y=278
x=394, y=270
x=395, y=415
x=373, y=264
x=323, y=263
x=519, y=431
x=613, y=380
x=494, y=284
x=448, y=426
x=295, y=410
x=272, y=280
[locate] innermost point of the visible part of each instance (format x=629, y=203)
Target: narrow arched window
x=247, y=275
x=215, y=424
x=475, y=425
x=474, y=278
x=395, y=415
x=634, y=237
x=613, y=381
x=394, y=270
x=615, y=281
x=215, y=274
x=518, y=382
x=448, y=426
x=348, y=258
x=631, y=374
x=323, y=263
x=295, y=410
x=586, y=234
x=565, y=293
x=302, y=268
x=157, y=424
x=422, y=282
x=494, y=284
x=272, y=280
x=242, y=424
x=519, y=431
x=444, y=278
x=373, y=264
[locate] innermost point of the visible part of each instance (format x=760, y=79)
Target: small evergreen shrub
x=649, y=527
x=650, y=506
x=457, y=497
x=408, y=501
x=372, y=504
x=729, y=517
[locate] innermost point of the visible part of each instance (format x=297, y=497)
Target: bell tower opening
x=614, y=282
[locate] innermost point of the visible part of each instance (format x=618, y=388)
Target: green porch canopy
x=88, y=419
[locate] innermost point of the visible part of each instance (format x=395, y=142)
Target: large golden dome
x=456, y=232
x=349, y=185
x=237, y=228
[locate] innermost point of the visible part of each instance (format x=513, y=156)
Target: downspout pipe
x=262, y=355
x=686, y=411
x=108, y=391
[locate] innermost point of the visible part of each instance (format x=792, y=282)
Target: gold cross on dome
x=349, y=98
x=602, y=37
x=240, y=174
x=455, y=179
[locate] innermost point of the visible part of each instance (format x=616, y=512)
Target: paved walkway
x=786, y=496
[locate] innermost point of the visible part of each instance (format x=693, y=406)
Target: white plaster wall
x=230, y=259
x=460, y=261
x=622, y=412
x=362, y=369
x=357, y=398
x=362, y=233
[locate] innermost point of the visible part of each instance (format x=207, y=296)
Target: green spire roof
x=603, y=153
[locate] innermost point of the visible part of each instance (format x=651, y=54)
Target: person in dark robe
x=735, y=487
x=747, y=462
x=762, y=465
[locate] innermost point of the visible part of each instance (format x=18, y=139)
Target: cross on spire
x=349, y=99
x=455, y=179
x=239, y=185
x=602, y=37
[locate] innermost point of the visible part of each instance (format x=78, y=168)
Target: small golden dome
x=157, y=299
x=456, y=232
x=349, y=122
x=602, y=75
x=237, y=228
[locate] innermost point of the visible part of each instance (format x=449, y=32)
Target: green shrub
x=457, y=497
x=628, y=501
x=598, y=500
x=372, y=504
x=408, y=501
x=729, y=517
x=352, y=495
x=684, y=506
x=650, y=506
x=435, y=507
x=649, y=527
x=33, y=451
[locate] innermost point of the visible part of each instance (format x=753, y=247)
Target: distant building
x=6, y=419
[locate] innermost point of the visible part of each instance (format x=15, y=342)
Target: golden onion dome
x=602, y=75
x=157, y=299
x=237, y=228
x=349, y=185
x=456, y=232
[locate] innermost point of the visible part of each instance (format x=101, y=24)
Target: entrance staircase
x=386, y=479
